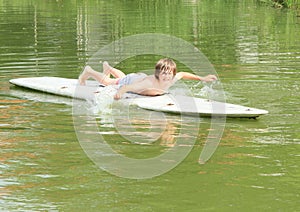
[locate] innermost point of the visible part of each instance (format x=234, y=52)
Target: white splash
x=103, y=100
x=210, y=90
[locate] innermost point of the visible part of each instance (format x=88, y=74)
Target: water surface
x=256, y=53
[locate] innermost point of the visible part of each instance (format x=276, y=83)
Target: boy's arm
x=189, y=76
x=135, y=88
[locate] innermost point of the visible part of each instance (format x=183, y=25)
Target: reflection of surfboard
x=165, y=103
x=39, y=96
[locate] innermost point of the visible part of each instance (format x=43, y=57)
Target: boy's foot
x=80, y=79
x=106, y=68
x=84, y=75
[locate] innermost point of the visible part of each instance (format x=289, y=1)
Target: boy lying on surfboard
x=150, y=85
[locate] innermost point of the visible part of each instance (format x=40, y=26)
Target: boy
x=164, y=77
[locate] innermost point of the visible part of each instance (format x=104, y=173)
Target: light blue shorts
x=130, y=78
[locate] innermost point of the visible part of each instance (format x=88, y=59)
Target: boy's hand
x=209, y=78
x=117, y=96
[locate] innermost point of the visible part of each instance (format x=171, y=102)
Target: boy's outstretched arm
x=190, y=76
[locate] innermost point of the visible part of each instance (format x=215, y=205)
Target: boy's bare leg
x=109, y=70
x=88, y=72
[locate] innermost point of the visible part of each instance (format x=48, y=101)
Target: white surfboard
x=192, y=106
x=178, y=104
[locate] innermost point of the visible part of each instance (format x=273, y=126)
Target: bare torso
x=153, y=86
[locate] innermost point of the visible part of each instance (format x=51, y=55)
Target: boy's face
x=166, y=76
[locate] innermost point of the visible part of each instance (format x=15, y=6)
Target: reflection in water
x=32, y=95
x=124, y=152
x=141, y=127
x=168, y=136
x=11, y=128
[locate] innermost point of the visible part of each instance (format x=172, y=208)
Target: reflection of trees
x=10, y=128
x=53, y=30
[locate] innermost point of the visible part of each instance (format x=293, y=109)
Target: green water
x=256, y=53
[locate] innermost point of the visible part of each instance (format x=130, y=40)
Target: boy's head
x=165, y=65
